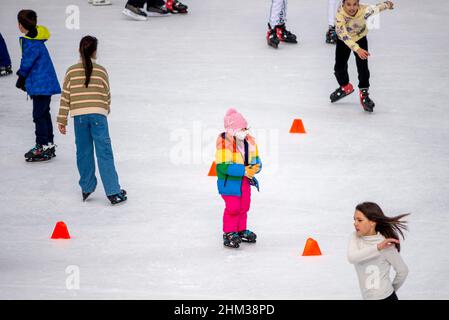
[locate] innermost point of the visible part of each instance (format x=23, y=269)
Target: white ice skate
x=134, y=13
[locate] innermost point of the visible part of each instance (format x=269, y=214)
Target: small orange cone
x=61, y=231
x=297, y=126
x=311, y=248
x=213, y=170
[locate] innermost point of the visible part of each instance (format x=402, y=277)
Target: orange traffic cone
x=311, y=248
x=61, y=231
x=297, y=126
x=213, y=170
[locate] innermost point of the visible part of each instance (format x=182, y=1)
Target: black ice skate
x=272, y=39
x=331, y=35
x=5, y=71
x=86, y=195
x=37, y=153
x=134, y=13
x=341, y=92
x=247, y=236
x=284, y=35
x=118, y=198
x=365, y=101
x=174, y=6
x=231, y=239
x=157, y=11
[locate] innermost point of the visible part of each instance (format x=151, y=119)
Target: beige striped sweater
x=77, y=99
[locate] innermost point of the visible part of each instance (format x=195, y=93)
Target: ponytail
x=88, y=46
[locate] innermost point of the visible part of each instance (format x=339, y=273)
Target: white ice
x=172, y=80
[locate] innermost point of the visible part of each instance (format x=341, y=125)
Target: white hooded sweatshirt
x=373, y=266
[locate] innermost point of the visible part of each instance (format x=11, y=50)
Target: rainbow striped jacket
x=231, y=165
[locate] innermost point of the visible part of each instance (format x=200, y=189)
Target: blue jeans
x=92, y=129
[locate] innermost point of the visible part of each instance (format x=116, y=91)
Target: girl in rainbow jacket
x=238, y=161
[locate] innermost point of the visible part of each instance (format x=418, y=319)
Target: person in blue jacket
x=38, y=78
x=5, y=60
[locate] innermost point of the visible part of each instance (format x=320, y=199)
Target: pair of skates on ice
x=141, y=14
x=233, y=239
x=343, y=91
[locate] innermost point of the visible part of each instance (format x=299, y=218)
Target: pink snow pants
x=235, y=213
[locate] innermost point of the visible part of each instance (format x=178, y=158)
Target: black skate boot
x=5, y=71
x=284, y=35
x=231, y=239
x=247, y=236
x=331, y=35
x=134, y=13
x=272, y=39
x=86, y=195
x=119, y=197
x=342, y=92
x=157, y=11
x=365, y=101
x=174, y=6
x=37, y=153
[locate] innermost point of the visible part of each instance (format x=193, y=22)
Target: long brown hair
x=389, y=227
x=88, y=46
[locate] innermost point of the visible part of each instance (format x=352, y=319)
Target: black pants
x=342, y=54
x=140, y=3
x=42, y=119
x=393, y=297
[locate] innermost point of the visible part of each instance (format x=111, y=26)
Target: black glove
x=21, y=83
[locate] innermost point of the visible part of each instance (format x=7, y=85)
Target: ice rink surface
x=172, y=80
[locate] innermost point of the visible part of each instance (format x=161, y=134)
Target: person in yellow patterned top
x=351, y=30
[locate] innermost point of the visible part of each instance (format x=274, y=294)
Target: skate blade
x=37, y=159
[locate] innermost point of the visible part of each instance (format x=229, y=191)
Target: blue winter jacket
x=36, y=65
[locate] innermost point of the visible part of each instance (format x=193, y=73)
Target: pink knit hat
x=234, y=121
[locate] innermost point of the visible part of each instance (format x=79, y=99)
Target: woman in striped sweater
x=86, y=96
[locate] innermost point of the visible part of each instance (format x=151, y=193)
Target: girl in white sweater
x=374, y=248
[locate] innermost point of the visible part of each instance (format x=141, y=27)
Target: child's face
x=351, y=7
x=363, y=226
x=22, y=29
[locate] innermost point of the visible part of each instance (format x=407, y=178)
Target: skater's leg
x=5, y=60
x=278, y=12
x=105, y=157
x=362, y=65
x=332, y=9
x=231, y=213
x=85, y=160
x=41, y=111
x=342, y=54
x=245, y=202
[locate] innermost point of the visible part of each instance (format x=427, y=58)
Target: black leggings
x=393, y=297
x=342, y=54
